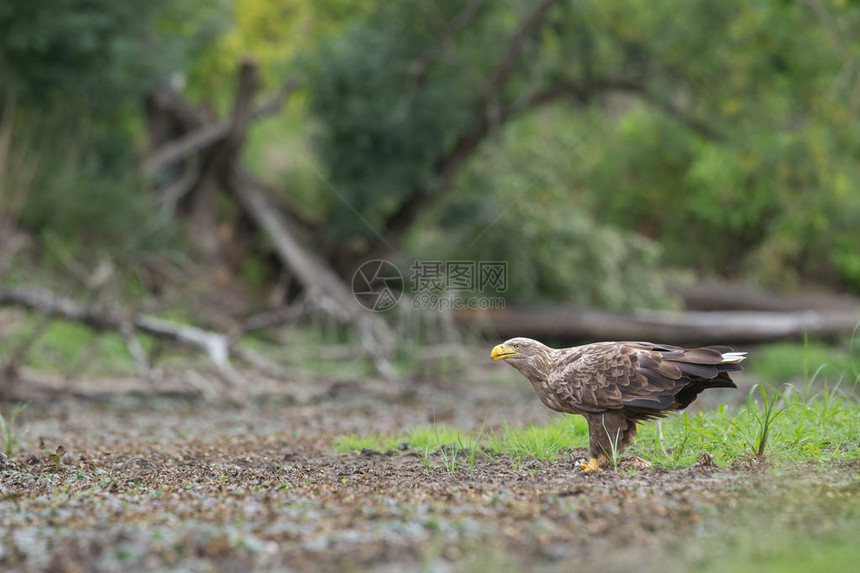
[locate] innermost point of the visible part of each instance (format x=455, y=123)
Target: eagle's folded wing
x=612, y=376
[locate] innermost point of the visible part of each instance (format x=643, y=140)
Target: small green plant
x=450, y=458
x=454, y=451
x=424, y=455
x=55, y=459
x=7, y=428
x=763, y=420
x=473, y=447
x=613, y=445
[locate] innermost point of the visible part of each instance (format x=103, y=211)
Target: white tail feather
x=734, y=357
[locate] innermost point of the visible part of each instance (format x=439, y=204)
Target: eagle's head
x=519, y=351
x=526, y=355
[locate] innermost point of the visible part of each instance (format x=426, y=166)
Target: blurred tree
x=520, y=200
x=78, y=70
x=410, y=94
x=272, y=31
x=99, y=53
x=725, y=133
x=728, y=131
x=754, y=170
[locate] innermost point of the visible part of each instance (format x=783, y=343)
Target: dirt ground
x=151, y=484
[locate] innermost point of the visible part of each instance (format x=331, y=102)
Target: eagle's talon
x=591, y=466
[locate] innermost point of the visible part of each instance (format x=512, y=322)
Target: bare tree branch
x=184, y=146
x=216, y=346
x=448, y=165
x=270, y=318
x=173, y=193
x=135, y=350
x=322, y=285
x=180, y=109
x=206, y=135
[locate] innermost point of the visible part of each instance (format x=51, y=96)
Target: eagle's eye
x=516, y=346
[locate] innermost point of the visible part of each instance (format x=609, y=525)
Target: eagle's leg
x=610, y=433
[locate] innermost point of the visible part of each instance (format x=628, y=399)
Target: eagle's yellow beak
x=500, y=352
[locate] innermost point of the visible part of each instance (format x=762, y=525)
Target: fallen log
x=216, y=346
x=734, y=296
x=323, y=286
x=573, y=324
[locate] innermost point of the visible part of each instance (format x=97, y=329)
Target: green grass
x=459, y=450
x=787, y=426
x=356, y=443
x=542, y=443
x=456, y=450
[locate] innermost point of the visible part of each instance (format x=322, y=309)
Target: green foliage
x=739, y=161
x=382, y=130
x=80, y=186
x=764, y=189
x=736, y=156
x=78, y=70
x=96, y=53
x=521, y=202
x=272, y=31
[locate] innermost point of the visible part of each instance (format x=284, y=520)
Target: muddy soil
x=143, y=484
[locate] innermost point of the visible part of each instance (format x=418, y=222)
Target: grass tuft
x=7, y=428
x=542, y=443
